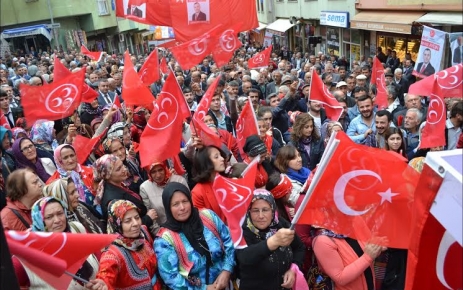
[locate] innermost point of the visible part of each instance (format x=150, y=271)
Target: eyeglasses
x=257, y=211
x=28, y=148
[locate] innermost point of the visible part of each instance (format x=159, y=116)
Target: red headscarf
x=167, y=176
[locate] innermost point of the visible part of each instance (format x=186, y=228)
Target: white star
x=387, y=195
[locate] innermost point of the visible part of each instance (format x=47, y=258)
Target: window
x=260, y=5
x=102, y=7
x=292, y=0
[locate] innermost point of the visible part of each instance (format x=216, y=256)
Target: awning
x=26, y=31
x=261, y=26
x=280, y=26
x=443, y=18
x=397, y=22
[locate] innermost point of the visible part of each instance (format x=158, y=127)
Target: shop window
x=102, y=7
x=401, y=45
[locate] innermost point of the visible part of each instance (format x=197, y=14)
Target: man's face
x=205, y=62
x=328, y=79
x=344, y=109
x=315, y=106
x=306, y=91
x=361, y=82
x=307, y=77
x=274, y=102
x=328, y=69
x=312, y=59
x=277, y=77
x=413, y=101
x=398, y=75
x=381, y=124
x=232, y=90
x=359, y=94
x=103, y=87
x=350, y=84
x=342, y=73
x=93, y=78
x=118, y=80
x=366, y=108
x=411, y=121
x=197, y=8
x=203, y=78
x=4, y=103
x=366, y=72
x=408, y=63
x=215, y=103
x=196, y=77
x=189, y=97
x=254, y=98
x=388, y=79
x=246, y=87
x=9, y=91
x=343, y=89
x=427, y=56
x=208, y=120
x=306, y=68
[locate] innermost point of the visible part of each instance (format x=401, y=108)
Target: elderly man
x=392, y=100
x=361, y=80
x=411, y=102
x=403, y=84
x=272, y=87
x=412, y=123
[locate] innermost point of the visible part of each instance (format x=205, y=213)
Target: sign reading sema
x=336, y=19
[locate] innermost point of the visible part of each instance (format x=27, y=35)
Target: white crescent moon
x=340, y=187
x=445, y=243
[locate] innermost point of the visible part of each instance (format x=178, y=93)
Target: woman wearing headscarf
x=151, y=190
x=19, y=132
x=110, y=173
x=27, y=156
x=194, y=248
x=50, y=216
x=8, y=161
x=129, y=262
x=266, y=263
x=90, y=111
x=139, y=121
x=44, y=136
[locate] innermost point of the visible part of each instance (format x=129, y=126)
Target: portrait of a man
x=198, y=15
x=425, y=67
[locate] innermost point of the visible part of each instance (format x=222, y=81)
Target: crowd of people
x=171, y=231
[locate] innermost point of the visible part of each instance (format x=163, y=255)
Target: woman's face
x=180, y=206
x=34, y=186
x=307, y=129
x=296, y=163
x=261, y=214
x=54, y=217
x=131, y=224
x=394, y=142
x=118, y=149
x=6, y=144
x=28, y=150
x=119, y=173
x=69, y=159
x=262, y=127
x=217, y=160
x=126, y=138
x=94, y=104
x=77, y=121
x=158, y=174
x=73, y=195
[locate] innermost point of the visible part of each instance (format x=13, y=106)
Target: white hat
x=340, y=84
x=361, y=77
x=15, y=59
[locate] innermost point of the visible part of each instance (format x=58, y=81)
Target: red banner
x=261, y=59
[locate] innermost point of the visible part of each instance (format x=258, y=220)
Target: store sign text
x=336, y=19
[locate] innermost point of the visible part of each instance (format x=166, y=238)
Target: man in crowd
x=362, y=126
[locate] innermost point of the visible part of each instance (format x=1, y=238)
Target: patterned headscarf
x=108, y=142
x=273, y=227
x=116, y=211
x=42, y=130
x=57, y=189
x=102, y=169
x=167, y=176
x=18, y=130
x=37, y=212
x=139, y=119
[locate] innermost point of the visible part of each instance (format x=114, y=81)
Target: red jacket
x=203, y=197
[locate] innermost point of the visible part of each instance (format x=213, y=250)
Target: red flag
x=64, y=246
x=134, y=92
x=377, y=78
x=201, y=129
x=246, y=125
x=227, y=43
x=149, y=72
x=60, y=72
x=154, y=12
x=449, y=80
x=363, y=185
x=433, y=134
x=169, y=44
x=320, y=93
x=85, y=146
x=234, y=196
x=434, y=257
x=94, y=55
x=261, y=59
x=163, y=66
x=53, y=102
x=177, y=165
x=163, y=133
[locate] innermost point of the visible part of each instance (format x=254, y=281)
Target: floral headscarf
x=102, y=170
x=273, y=227
x=18, y=130
x=37, y=212
x=57, y=189
x=42, y=130
x=116, y=212
x=167, y=176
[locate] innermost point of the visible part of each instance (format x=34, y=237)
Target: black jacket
x=228, y=121
x=316, y=151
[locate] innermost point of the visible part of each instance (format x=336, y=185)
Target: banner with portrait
x=430, y=54
x=456, y=46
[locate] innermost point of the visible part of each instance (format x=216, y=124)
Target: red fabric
x=226, y=45
x=163, y=134
x=364, y=191
x=86, y=174
x=429, y=240
x=96, y=56
x=377, y=78
x=261, y=59
x=134, y=92
x=149, y=72
x=449, y=80
x=55, y=101
x=400, y=120
x=4, y=121
x=64, y=246
x=169, y=44
x=203, y=197
x=460, y=141
x=230, y=141
x=234, y=197
x=319, y=92
x=85, y=146
x=157, y=12
x=433, y=134
x=198, y=126
x=178, y=166
x=163, y=66
x=246, y=125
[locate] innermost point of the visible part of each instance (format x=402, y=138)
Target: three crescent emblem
x=161, y=119
x=61, y=98
x=198, y=46
x=436, y=110
x=450, y=78
x=231, y=193
x=258, y=59
x=228, y=40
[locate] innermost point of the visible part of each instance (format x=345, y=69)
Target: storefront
x=282, y=33
x=23, y=38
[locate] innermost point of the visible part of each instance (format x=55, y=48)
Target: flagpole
x=76, y=277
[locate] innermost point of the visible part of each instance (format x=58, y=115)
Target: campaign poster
x=456, y=47
x=268, y=39
x=198, y=11
x=135, y=8
x=430, y=53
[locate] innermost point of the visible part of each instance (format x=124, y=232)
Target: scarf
x=57, y=189
x=23, y=162
x=301, y=175
x=42, y=132
x=306, y=142
x=87, y=108
x=273, y=227
x=167, y=173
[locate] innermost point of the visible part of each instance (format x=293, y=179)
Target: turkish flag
x=63, y=246
x=96, y=56
x=319, y=92
x=163, y=66
x=377, y=78
x=206, y=134
x=246, y=125
x=434, y=257
x=366, y=186
x=149, y=72
x=234, y=196
x=154, y=12
x=262, y=59
x=52, y=102
x=84, y=146
x=449, y=80
x=60, y=72
x=163, y=134
x=226, y=46
x=134, y=92
x=433, y=134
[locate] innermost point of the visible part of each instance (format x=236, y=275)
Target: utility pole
x=53, y=29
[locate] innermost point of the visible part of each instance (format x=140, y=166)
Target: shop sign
x=336, y=19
